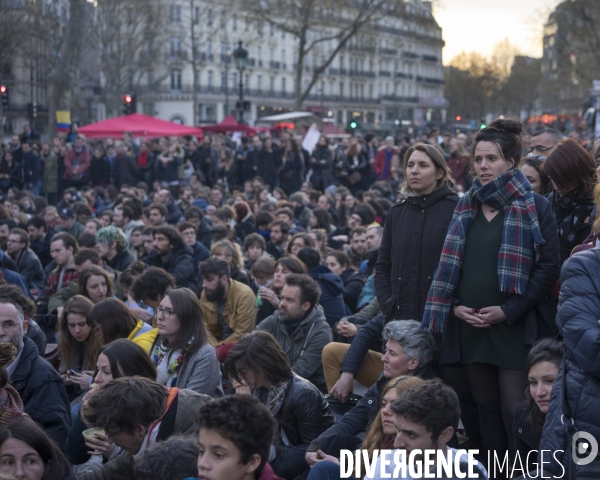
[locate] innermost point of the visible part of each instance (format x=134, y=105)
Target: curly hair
x=110, y=234
x=152, y=284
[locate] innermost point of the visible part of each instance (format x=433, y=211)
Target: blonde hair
x=231, y=249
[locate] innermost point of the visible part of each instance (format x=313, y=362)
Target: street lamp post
x=240, y=56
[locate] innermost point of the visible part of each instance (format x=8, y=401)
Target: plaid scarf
x=521, y=238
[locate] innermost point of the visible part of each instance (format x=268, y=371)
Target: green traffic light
x=482, y=126
x=353, y=125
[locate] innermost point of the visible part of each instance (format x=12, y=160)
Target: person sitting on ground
x=332, y=287
x=262, y=274
x=339, y=263
x=300, y=328
x=148, y=413
x=258, y=361
x=357, y=251
x=199, y=251
x=227, y=306
x=232, y=254
x=543, y=363
x=409, y=351
x=28, y=264
x=114, y=320
x=96, y=284
x=254, y=246
x=40, y=386
x=26, y=447
x=121, y=358
x=63, y=248
x=278, y=239
x=243, y=429
x=173, y=255
x=175, y=458
x=113, y=246
x=151, y=286
x=39, y=239
x=182, y=353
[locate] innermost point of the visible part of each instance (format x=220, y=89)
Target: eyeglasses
x=539, y=148
x=10, y=240
x=189, y=234
x=8, y=325
x=165, y=312
x=111, y=436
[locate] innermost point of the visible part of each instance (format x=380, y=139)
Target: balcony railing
x=430, y=58
x=176, y=56
x=225, y=58
x=410, y=55
x=407, y=76
x=274, y=65
x=388, y=51
x=384, y=73
x=436, y=81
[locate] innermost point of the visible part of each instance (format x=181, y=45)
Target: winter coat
x=526, y=438
x=379, y=164
x=304, y=414
x=249, y=166
x=201, y=372
x=353, y=285
x=179, y=419
x=410, y=251
x=43, y=393
x=42, y=249
x=332, y=293
x=121, y=261
x=577, y=320
x=239, y=313
x=268, y=166
x=204, y=235
x=50, y=181
x=322, y=173
x=304, y=346
x=537, y=307
x=100, y=171
x=15, y=172
x=199, y=254
x=174, y=213
x=363, y=168
x=32, y=168
x=245, y=227
x=179, y=264
x=31, y=269
x=170, y=172
x=82, y=158
x=291, y=173
x=127, y=171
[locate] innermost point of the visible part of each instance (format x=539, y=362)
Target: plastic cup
x=90, y=432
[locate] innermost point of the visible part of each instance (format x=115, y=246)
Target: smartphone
x=73, y=372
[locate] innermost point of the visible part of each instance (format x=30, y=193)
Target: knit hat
x=298, y=197
x=366, y=214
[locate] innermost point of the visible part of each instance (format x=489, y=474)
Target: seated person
x=175, y=458
x=409, y=351
x=258, y=361
x=227, y=306
x=254, y=246
x=243, y=429
x=262, y=272
x=199, y=252
x=148, y=413
x=300, y=327
x=112, y=244
x=543, y=363
x=151, y=286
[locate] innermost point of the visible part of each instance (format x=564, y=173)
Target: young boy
x=235, y=438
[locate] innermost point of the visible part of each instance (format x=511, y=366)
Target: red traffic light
x=3, y=89
x=458, y=118
x=128, y=99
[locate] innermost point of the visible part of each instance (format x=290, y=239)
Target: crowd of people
x=217, y=310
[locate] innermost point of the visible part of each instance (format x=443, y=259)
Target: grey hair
x=390, y=138
x=416, y=343
x=20, y=312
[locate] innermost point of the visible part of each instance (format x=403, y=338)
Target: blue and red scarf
x=521, y=238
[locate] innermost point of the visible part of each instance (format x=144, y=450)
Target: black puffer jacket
x=321, y=163
x=354, y=282
x=305, y=414
x=411, y=246
x=179, y=264
x=121, y=261
x=577, y=320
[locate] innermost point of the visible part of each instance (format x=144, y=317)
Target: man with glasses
x=543, y=142
x=200, y=252
x=39, y=385
x=28, y=264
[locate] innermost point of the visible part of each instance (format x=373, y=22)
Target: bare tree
x=317, y=23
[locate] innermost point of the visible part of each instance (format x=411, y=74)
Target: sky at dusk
x=477, y=25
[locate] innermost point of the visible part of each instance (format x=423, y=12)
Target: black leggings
x=488, y=396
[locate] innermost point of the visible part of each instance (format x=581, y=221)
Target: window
x=234, y=23
x=210, y=80
x=209, y=17
x=176, y=80
x=175, y=45
x=272, y=30
x=148, y=109
x=175, y=13
x=223, y=81
x=259, y=83
x=224, y=48
x=283, y=89
x=196, y=15
x=209, y=47
x=272, y=84
x=341, y=89
x=271, y=55
x=371, y=91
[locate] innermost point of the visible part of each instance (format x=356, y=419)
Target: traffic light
x=458, y=118
x=4, y=93
x=129, y=104
x=482, y=124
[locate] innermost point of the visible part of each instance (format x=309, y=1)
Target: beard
x=16, y=340
x=216, y=294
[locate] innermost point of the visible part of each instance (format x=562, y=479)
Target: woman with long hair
x=321, y=219
x=491, y=293
x=182, y=354
x=543, y=363
x=78, y=344
x=113, y=320
x=232, y=254
x=298, y=242
x=270, y=295
x=95, y=283
x=258, y=361
x=291, y=171
x=11, y=174
x=340, y=264
x=532, y=168
x=572, y=171
x=28, y=453
x=121, y=358
x=358, y=168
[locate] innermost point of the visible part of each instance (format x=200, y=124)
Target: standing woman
x=321, y=163
x=358, y=168
x=293, y=166
x=414, y=234
x=499, y=263
x=182, y=354
x=11, y=173
x=532, y=168
x=572, y=171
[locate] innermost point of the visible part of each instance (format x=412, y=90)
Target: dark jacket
x=577, y=320
x=179, y=419
x=411, y=246
x=245, y=227
x=174, y=213
x=179, y=264
x=30, y=268
x=121, y=261
x=100, y=171
x=363, y=414
x=199, y=254
x=536, y=307
x=275, y=251
x=204, y=235
x=353, y=285
x=370, y=334
x=126, y=170
x=332, y=293
x=291, y=173
x=42, y=249
x=526, y=439
x=321, y=163
x=32, y=168
x=304, y=414
x=43, y=393
x=249, y=166
x=304, y=346
x=268, y=165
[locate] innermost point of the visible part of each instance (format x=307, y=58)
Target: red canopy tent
x=139, y=125
x=230, y=124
